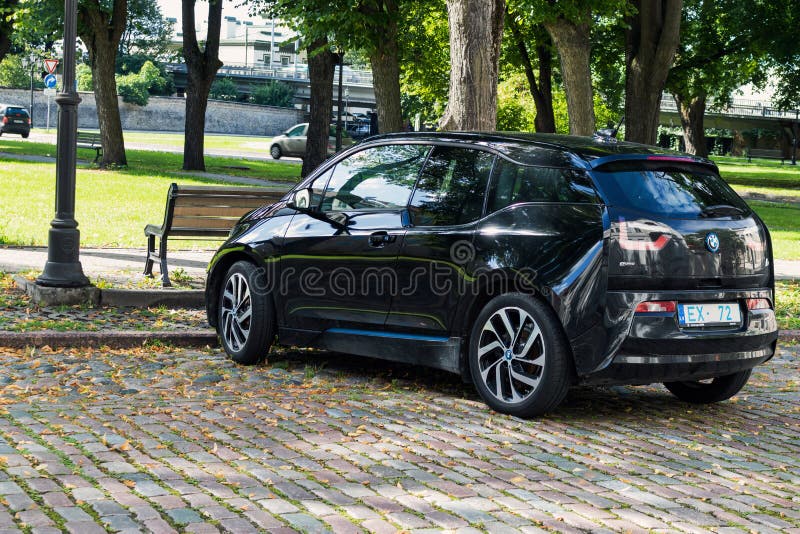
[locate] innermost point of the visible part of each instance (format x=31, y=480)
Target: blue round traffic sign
x=50, y=81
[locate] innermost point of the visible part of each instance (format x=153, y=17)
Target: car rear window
x=16, y=111
x=678, y=192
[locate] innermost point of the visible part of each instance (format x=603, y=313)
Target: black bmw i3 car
x=525, y=263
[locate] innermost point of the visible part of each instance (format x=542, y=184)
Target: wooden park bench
x=765, y=154
x=91, y=141
x=201, y=212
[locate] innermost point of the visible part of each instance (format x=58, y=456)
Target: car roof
x=555, y=149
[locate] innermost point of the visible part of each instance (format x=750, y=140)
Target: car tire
x=518, y=356
x=717, y=389
x=275, y=152
x=245, y=312
x=25, y=136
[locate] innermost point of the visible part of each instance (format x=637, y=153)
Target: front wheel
x=518, y=356
x=275, y=152
x=246, y=323
x=716, y=389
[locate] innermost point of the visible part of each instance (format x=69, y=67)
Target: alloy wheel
x=511, y=355
x=237, y=312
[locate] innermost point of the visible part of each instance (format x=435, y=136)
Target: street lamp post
x=30, y=62
x=63, y=267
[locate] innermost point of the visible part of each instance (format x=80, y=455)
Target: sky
x=172, y=9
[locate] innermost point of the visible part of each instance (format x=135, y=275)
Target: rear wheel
x=707, y=391
x=25, y=135
x=275, y=152
x=518, y=356
x=246, y=323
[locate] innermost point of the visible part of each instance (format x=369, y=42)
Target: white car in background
x=292, y=142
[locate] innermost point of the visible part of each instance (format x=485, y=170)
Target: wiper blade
x=721, y=210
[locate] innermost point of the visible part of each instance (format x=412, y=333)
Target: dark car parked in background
x=526, y=263
x=14, y=119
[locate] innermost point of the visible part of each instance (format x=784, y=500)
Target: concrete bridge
x=357, y=90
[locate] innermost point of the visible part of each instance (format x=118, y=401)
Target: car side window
x=452, y=187
x=378, y=178
x=514, y=183
x=296, y=131
x=317, y=187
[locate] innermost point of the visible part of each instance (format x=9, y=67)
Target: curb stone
x=120, y=298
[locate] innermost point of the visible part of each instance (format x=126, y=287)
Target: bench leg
x=98, y=153
x=162, y=257
x=151, y=250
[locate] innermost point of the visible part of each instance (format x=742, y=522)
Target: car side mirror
x=300, y=200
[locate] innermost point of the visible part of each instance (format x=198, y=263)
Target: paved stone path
x=96, y=441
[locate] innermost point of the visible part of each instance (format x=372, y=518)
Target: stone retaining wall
x=164, y=114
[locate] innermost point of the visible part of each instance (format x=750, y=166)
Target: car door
x=435, y=265
x=339, y=260
x=296, y=140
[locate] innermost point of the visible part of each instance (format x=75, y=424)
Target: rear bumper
x=15, y=128
x=652, y=347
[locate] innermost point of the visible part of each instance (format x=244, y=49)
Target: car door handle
x=379, y=239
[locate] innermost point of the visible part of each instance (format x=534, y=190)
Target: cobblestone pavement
x=18, y=314
x=187, y=441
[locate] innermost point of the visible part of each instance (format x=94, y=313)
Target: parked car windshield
x=669, y=192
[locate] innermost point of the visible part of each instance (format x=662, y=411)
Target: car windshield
x=679, y=193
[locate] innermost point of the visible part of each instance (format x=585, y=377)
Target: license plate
x=709, y=314
x=19, y=121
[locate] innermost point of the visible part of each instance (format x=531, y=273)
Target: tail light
x=646, y=242
x=5, y=120
x=29, y=121
x=758, y=304
x=657, y=306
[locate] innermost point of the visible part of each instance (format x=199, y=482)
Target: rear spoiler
x=623, y=162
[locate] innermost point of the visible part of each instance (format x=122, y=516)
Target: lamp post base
x=63, y=268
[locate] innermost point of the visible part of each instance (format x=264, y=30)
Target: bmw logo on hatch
x=712, y=242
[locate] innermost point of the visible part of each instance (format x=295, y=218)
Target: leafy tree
x=424, y=43
x=147, y=34
x=720, y=50
x=476, y=32
x=7, y=8
x=13, y=74
x=202, y=65
x=224, y=89
x=651, y=41
x=273, y=93
x=100, y=28
x=517, y=53
x=570, y=24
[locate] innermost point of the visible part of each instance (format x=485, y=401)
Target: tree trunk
x=650, y=44
x=100, y=33
x=476, y=31
x=386, y=81
x=321, y=64
x=201, y=68
x=692, y=111
x=541, y=91
x=574, y=50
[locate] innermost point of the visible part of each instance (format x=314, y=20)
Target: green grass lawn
x=787, y=304
x=112, y=207
x=158, y=163
x=762, y=174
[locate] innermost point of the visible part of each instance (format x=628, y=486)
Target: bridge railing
x=300, y=72
x=739, y=107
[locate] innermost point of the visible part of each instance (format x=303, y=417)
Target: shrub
x=83, y=74
x=13, y=74
x=224, y=89
x=273, y=93
x=136, y=88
